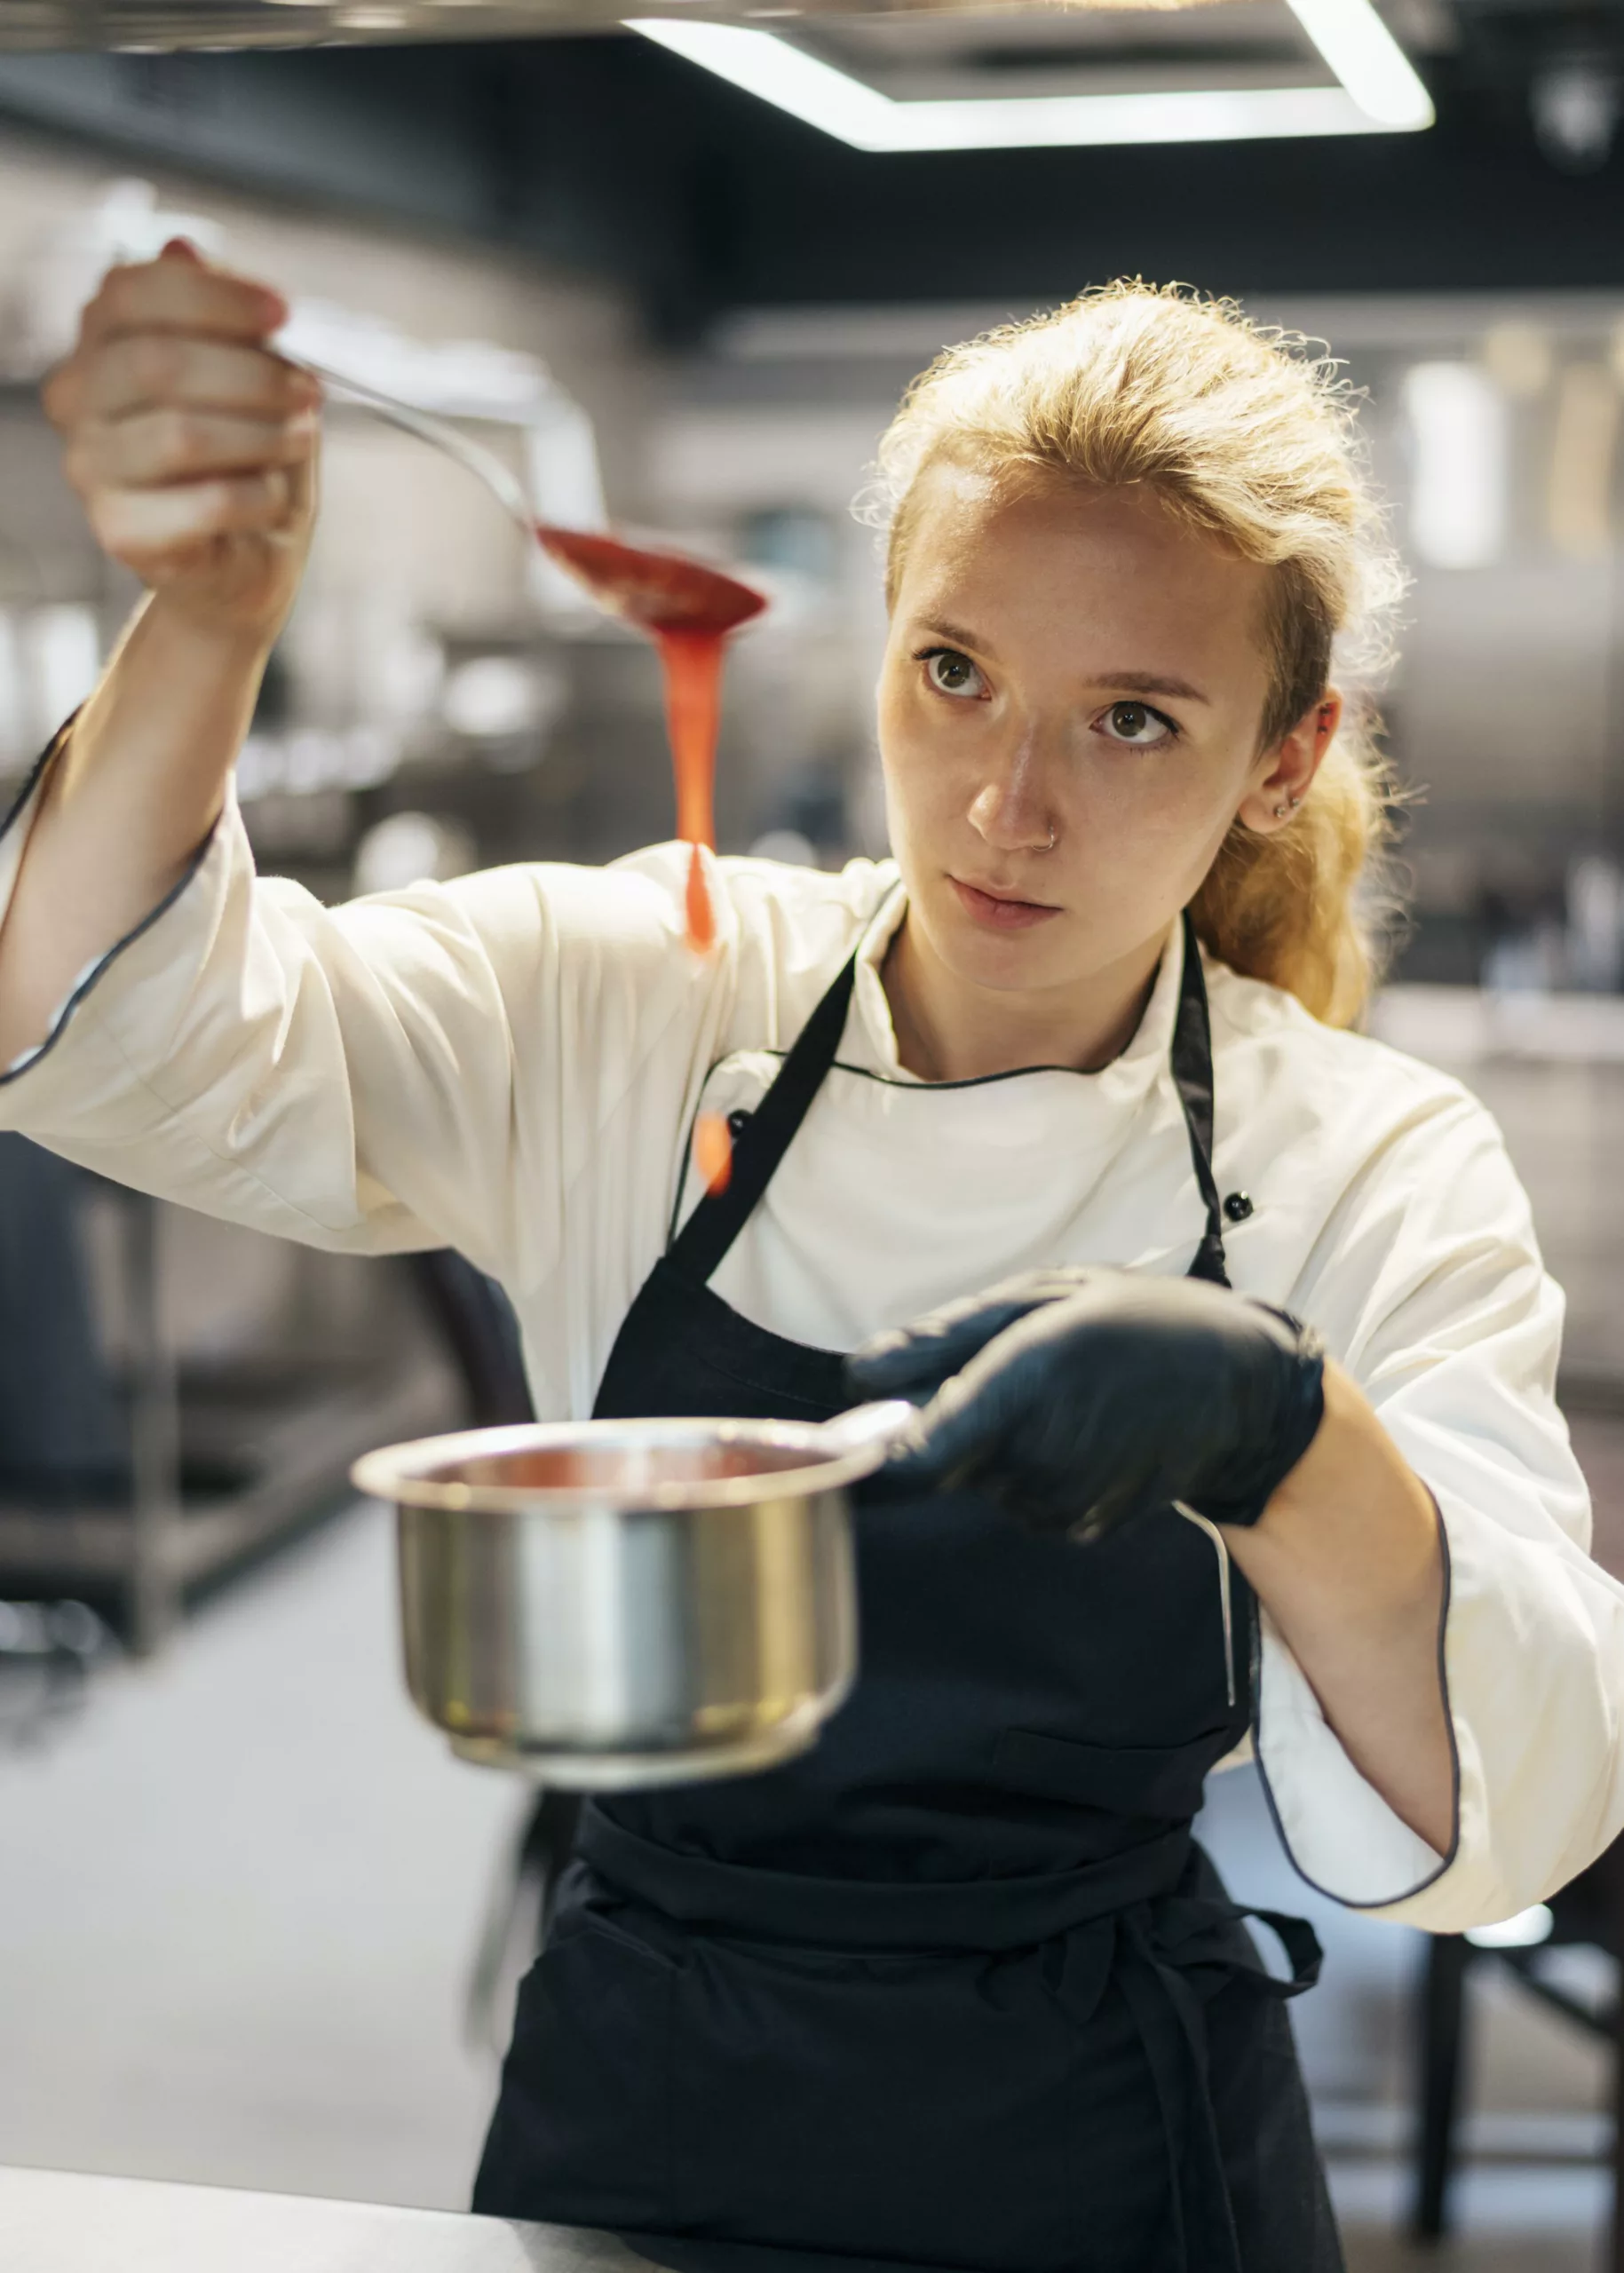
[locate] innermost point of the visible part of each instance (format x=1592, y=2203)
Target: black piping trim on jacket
x=881, y=1081
x=889, y=1081
x=26, y=1065
x=862, y=1073
x=1387, y=1900
x=974, y=1081
x=36, y=773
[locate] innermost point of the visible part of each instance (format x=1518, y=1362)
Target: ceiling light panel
x=1367, y=60
x=1235, y=44
x=1357, y=80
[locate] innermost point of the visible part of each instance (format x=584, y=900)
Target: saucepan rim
x=408, y=1474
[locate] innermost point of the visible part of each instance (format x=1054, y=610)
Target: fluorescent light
x=1367, y=60
x=766, y=66
x=1583, y=455
x=1460, y=495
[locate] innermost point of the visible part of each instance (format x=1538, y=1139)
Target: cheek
x=1178, y=792
x=891, y=719
x=1148, y=816
x=918, y=760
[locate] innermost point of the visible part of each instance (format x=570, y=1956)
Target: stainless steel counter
x=59, y=2221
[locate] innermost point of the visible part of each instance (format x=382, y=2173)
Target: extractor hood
x=893, y=74
x=140, y=25
x=44, y=24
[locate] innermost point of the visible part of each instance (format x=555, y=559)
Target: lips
x=1000, y=911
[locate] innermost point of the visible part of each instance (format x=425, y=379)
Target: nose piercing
x=1051, y=845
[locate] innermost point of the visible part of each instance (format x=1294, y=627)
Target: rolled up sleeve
x=1429, y=1286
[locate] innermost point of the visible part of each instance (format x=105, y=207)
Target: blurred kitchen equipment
x=612, y=1603
x=48, y=1651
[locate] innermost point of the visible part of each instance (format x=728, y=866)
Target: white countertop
x=59, y=2222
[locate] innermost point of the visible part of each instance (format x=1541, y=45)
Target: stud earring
x=1290, y=806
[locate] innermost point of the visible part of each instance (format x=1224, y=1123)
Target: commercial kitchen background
x=242, y=1893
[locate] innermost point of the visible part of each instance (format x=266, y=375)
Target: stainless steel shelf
x=309, y=1456
x=278, y=1439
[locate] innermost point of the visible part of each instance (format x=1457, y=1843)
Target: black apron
x=956, y=1988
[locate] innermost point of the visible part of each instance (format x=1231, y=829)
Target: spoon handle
x=484, y=464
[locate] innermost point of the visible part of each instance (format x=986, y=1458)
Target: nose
x=1011, y=812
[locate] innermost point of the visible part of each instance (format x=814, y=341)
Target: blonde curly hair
x=1247, y=435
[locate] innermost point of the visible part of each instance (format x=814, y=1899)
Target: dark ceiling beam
x=570, y=151
x=1470, y=205
x=306, y=125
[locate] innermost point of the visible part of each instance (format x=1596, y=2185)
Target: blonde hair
x=1247, y=436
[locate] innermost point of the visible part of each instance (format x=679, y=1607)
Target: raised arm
x=192, y=448
x=464, y=1063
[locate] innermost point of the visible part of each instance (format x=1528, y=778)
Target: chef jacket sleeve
x=1429, y=1285
x=433, y=1066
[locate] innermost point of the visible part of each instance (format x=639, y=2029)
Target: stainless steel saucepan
x=609, y=1603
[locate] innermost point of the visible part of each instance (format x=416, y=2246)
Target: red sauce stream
x=692, y=663
x=688, y=611
x=713, y=1150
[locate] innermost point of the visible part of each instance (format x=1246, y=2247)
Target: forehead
x=1081, y=565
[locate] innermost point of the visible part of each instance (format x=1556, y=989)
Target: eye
x=949, y=672
x=1139, y=727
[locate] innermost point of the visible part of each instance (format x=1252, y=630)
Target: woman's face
x=1069, y=718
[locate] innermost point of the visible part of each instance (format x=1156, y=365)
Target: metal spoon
x=657, y=591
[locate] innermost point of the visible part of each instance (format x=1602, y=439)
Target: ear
x=1283, y=777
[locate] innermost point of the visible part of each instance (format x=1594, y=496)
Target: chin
x=1013, y=974
x=1021, y=963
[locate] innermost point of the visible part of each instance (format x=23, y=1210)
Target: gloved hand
x=1081, y=1397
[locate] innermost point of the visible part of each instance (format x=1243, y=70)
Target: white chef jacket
x=511, y=1065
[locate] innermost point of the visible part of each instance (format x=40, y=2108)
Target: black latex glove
x=1081, y=1397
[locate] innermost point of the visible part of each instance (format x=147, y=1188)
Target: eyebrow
x=1127, y=682
x=956, y=636
x=1152, y=683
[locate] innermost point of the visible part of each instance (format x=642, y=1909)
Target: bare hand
x=192, y=444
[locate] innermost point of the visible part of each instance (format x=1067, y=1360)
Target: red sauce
x=692, y=663
x=687, y=610
x=713, y=1151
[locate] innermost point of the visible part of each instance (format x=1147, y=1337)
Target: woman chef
x=956, y=1990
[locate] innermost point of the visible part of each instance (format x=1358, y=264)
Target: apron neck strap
x=768, y=1133
x=1191, y=1060
x=767, y=1136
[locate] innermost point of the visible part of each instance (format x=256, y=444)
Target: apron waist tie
x=1154, y=1919
x=988, y=1914
x=1164, y=1951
